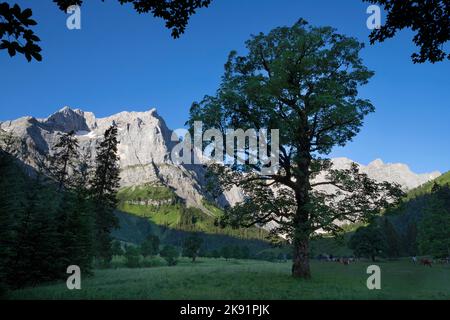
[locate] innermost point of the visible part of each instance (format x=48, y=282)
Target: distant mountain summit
x=144, y=150
x=391, y=172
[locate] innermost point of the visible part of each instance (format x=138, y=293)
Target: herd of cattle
x=348, y=260
x=342, y=260
x=429, y=262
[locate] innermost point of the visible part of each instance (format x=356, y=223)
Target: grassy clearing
x=146, y=192
x=166, y=215
x=238, y=279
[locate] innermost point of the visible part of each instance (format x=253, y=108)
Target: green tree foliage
x=189, y=218
x=150, y=247
x=215, y=254
x=15, y=32
x=105, y=184
x=74, y=219
x=226, y=252
x=430, y=19
x=434, y=228
x=81, y=220
x=116, y=248
x=266, y=255
x=37, y=248
x=64, y=158
x=410, y=239
x=304, y=81
x=170, y=254
x=12, y=198
x=393, y=242
x=48, y=224
x=28, y=235
x=368, y=242
x=15, y=23
x=176, y=13
x=243, y=252
x=191, y=246
x=132, y=256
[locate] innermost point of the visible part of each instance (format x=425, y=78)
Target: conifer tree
x=36, y=247
x=64, y=159
x=434, y=228
x=11, y=206
x=79, y=223
x=392, y=239
x=73, y=219
x=410, y=241
x=105, y=184
x=44, y=227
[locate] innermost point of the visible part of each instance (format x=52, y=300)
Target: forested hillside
x=419, y=226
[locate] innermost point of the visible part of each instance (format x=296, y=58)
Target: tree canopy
x=191, y=246
x=17, y=36
x=302, y=80
x=434, y=228
x=429, y=19
x=369, y=242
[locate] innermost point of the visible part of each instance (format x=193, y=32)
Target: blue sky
x=123, y=61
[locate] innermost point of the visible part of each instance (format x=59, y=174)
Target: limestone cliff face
x=145, y=147
x=391, y=172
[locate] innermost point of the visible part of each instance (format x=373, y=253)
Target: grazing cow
x=426, y=262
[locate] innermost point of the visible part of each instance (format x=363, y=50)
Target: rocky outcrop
x=391, y=172
x=145, y=147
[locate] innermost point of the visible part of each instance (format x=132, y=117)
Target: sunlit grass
x=238, y=279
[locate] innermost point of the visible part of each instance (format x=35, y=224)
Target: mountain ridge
x=144, y=151
x=391, y=172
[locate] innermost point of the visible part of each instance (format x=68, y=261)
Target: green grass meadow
x=253, y=280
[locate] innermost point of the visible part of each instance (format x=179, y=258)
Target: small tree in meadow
x=150, y=247
x=191, y=246
x=170, y=254
x=132, y=256
x=368, y=242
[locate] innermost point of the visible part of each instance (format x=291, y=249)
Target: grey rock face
x=144, y=150
x=144, y=147
x=391, y=172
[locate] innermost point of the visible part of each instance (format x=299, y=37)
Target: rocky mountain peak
x=66, y=120
x=392, y=172
x=376, y=163
x=145, y=147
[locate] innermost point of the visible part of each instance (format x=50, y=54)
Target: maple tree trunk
x=300, y=267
